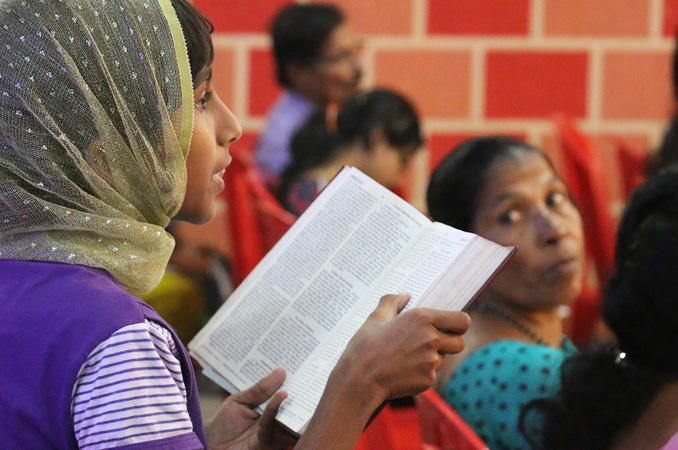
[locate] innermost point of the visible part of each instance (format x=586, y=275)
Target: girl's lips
x=219, y=179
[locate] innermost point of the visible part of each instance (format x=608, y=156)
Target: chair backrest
x=632, y=163
x=255, y=218
x=394, y=428
x=442, y=427
x=585, y=176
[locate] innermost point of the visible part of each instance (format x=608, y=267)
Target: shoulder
x=136, y=371
x=491, y=385
x=72, y=290
x=511, y=370
x=289, y=112
x=516, y=359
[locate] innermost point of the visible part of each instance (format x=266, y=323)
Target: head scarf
x=95, y=124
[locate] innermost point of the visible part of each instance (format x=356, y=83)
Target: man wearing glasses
x=317, y=56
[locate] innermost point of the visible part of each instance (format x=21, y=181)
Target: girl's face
x=384, y=162
x=214, y=129
x=524, y=203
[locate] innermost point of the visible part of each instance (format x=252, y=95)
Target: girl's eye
x=510, y=217
x=202, y=103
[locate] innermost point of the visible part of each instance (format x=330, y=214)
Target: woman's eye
x=555, y=199
x=509, y=217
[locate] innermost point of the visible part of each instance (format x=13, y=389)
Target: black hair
x=601, y=394
x=456, y=183
x=667, y=153
x=314, y=145
x=197, y=31
x=300, y=32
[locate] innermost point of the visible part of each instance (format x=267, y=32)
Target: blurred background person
x=377, y=132
x=508, y=192
x=317, y=58
x=623, y=395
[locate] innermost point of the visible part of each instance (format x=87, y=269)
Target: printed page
x=419, y=266
x=461, y=282
x=308, y=285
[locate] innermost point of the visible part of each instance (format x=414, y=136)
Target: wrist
x=353, y=381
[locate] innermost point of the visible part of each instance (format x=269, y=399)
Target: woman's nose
x=550, y=227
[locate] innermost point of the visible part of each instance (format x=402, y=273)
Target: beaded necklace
x=515, y=323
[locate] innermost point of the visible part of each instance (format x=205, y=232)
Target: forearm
x=346, y=406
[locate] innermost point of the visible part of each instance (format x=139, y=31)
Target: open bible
x=309, y=295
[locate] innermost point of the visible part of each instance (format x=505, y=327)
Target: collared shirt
x=272, y=152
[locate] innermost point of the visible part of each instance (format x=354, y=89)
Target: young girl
x=377, y=132
x=98, y=102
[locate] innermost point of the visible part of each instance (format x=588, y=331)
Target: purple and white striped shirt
x=87, y=365
x=130, y=390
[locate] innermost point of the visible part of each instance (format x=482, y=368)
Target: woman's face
x=214, y=128
x=524, y=203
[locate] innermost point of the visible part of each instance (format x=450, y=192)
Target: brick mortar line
x=594, y=85
x=612, y=125
x=242, y=73
x=578, y=44
x=656, y=20
x=478, y=76
x=537, y=20
x=419, y=18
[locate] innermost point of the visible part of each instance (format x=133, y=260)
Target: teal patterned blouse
x=490, y=386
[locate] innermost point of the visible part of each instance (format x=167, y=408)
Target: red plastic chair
x=394, y=428
x=256, y=220
x=441, y=426
x=632, y=163
x=585, y=176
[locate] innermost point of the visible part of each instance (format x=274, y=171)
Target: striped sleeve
x=130, y=390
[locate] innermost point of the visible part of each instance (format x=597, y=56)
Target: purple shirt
x=672, y=444
x=52, y=316
x=272, y=153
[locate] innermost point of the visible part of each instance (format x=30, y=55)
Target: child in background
x=377, y=132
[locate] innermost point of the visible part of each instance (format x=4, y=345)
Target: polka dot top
x=490, y=386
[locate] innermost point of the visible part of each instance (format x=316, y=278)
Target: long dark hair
x=608, y=388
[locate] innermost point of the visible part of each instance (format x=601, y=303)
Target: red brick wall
x=483, y=66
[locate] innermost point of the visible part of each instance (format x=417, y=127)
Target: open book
x=309, y=295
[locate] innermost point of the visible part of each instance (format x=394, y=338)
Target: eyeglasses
x=349, y=56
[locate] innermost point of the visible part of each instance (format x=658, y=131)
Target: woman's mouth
x=564, y=268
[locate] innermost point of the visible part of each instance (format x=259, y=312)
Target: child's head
x=385, y=125
x=214, y=126
x=379, y=128
x=96, y=116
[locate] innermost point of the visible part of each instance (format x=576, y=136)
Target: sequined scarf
x=95, y=124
